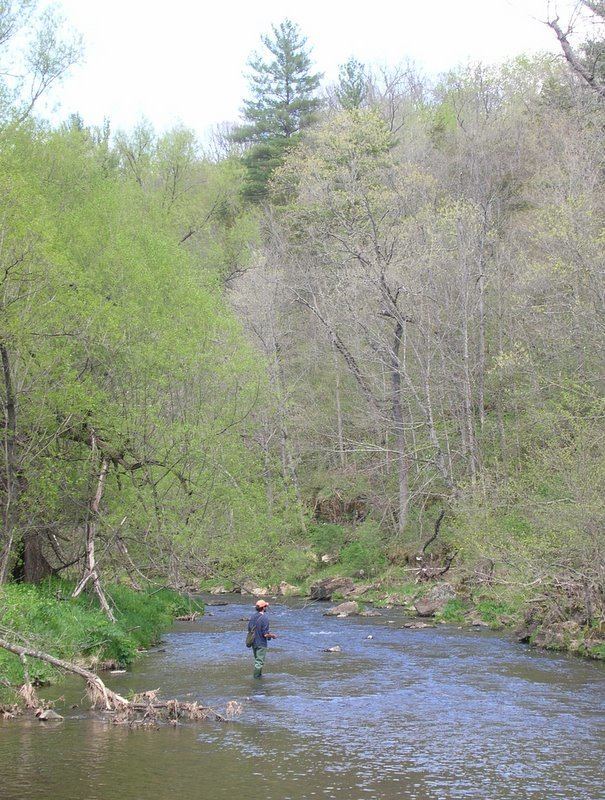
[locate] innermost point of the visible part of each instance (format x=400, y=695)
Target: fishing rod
x=299, y=639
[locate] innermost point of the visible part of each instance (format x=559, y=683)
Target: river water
x=433, y=714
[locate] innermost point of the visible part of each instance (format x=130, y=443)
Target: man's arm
x=265, y=629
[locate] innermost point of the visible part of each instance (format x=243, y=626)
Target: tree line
x=429, y=292
x=366, y=305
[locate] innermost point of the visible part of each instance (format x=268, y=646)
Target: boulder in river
x=325, y=588
x=343, y=609
x=48, y=715
x=371, y=612
x=219, y=590
x=336, y=649
x=435, y=600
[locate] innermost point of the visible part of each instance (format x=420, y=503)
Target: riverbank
x=76, y=630
x=437, y=712
x=532, y=617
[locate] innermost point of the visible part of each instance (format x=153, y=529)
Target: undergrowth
x=47, y=618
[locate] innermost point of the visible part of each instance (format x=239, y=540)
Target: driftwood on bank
x=100, y=695
x=142, y=709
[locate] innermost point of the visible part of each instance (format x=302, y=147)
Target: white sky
x=182, y=61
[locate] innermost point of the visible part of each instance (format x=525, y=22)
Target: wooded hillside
x=368, y=305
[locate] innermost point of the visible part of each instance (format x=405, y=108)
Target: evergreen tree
x=352, y=86
x=281, y=105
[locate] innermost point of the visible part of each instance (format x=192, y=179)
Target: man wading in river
x=259, y=635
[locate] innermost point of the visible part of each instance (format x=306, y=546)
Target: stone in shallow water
x=343, y=609
x=249, y=587
x=48, y=715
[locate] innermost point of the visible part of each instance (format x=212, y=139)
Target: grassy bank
x=76, y=630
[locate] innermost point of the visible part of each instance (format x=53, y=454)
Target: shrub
x=366, y=552
x=327, y=537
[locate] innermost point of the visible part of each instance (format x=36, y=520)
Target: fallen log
x=172, y=710
x=99, y=694
x=141, y=709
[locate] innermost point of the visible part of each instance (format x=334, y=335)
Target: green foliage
x=492, y=611
x=281, y=106
x=363, y=557
x=327, y=537
x=297, y=565
x=453, y=611
x=550, y=509
x=51, y=621
x=115, y=330
x=352, y=88
x=597, y=651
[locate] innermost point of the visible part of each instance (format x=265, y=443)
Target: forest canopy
x=374, y=305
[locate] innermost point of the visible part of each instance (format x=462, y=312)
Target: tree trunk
x=469, y=422
x=90, y=569
x=34, y=565
x=10, y=465
x=482, y=349
x=288, y=467
x=403, y=464
x=339, y=424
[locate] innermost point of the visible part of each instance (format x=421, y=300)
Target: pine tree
x=281, y=105
x=352, y=86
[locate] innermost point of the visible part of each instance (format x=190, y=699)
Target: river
x=433, y=714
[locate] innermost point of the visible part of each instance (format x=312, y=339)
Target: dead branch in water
x=100, y=695
x=145, y=709
x=142, y=709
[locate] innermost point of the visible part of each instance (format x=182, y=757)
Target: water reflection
x=433, y=714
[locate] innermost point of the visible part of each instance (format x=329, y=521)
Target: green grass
x=47, y=618
x=453, y=611
x=596, y=651
x=493, y=611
